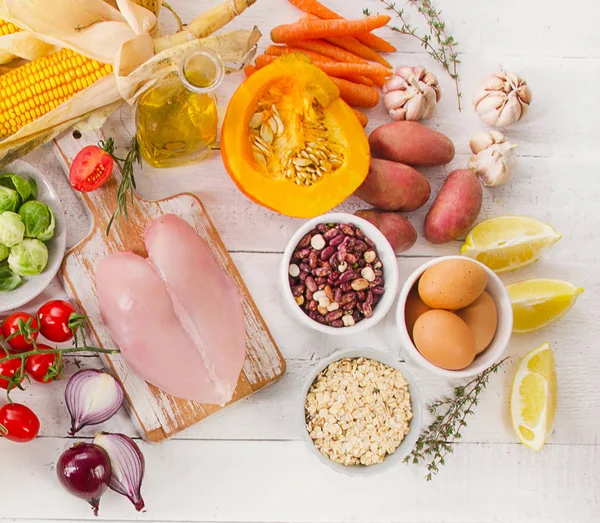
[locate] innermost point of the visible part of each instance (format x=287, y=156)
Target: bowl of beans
x=338, y=274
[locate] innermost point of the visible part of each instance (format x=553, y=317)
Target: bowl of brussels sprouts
x=33, y=235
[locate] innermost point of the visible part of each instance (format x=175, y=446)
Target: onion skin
x=127, y=463
x=85, y=471
x=92, y=397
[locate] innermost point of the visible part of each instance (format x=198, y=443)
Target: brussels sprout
x=29, y=257
x=34, y=188
x=38, y=219
x=8, y=279
x=12, y=229
x=9, y=199
x=4, y=250
x=19, y=184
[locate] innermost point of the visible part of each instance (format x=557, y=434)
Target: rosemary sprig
x=127, y=185
x=437, y=440
x=438, y=43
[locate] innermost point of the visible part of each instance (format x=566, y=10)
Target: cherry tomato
x=90, y=169
x=20, y=423
x=9, y=369
x=54, y=320
x=11, y=325
x=37, y=366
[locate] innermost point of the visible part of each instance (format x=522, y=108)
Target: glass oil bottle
x=177, y=121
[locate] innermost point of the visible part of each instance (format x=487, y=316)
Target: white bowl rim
x=415, y=426
x=391, y=274
x=500, y=341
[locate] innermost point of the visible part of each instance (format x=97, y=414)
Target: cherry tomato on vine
x=90, y=169
x=8, y=369
x=18, y=423
x=11, y=325
x=37, y=366
x=54, y=319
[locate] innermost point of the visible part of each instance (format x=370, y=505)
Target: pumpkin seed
x=266, y=133
x=273, y=125
x=256, y=120
x=301, y=162
x=260, y=159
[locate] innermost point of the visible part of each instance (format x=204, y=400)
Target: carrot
x=304, y=29
x=330, y=50
x=355, y=94
x=318, y=9
x=362, y=118
x=354, y=46
x=250, y=69
x=337, y=68
x=280, y=50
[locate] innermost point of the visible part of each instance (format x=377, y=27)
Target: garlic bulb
x=493, y=157
x=411, y=93
x=502, y=99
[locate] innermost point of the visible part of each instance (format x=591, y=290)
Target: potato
x=395, y=227
x=411, y=143
x=392, y=186
x=455, y=208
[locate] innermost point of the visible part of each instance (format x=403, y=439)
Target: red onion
x=128, y=465
x=84, y=470
x=92, y=396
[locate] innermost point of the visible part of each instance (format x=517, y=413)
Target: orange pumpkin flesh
x=316, y=158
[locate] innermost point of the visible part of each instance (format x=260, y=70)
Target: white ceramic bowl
x=415, y=424
x=386, y=255
x=503, y=332
x=34, y=285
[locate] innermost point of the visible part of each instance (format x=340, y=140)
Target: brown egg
x=452, y=284
x=482, y=318
x=413, y=308
x=444, y=339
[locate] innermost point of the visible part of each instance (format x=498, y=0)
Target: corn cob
x=34, y=89
x=8, y=28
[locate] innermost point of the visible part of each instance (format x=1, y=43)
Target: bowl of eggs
x=454, y=316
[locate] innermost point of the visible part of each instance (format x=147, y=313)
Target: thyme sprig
x=437, y=440
x=127, y=185
x=438, y=43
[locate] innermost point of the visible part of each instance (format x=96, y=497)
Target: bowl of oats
x=361, y=412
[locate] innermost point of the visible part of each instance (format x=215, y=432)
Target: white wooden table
x=248, y=463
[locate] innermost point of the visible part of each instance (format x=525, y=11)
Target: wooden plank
x=268, y=481
x=158, y=415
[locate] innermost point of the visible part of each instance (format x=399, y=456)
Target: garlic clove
x=494, y=158
x=411, y=93
x=395, y=99
x=393, y=84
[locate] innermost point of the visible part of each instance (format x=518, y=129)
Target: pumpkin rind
x=269, y=187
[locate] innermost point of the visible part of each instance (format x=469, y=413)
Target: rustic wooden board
x=157, y=414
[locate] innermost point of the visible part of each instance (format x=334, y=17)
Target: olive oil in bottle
x=177, y=121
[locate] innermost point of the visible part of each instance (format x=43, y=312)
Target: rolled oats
x=358, y=411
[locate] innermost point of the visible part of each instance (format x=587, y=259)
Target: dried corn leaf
x=91, y=27
x=23, y=45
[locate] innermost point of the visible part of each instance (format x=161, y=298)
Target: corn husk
x=137, y=65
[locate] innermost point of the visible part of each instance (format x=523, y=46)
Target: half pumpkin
x=289, y=141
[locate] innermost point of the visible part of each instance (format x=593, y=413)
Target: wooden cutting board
x=158, y=414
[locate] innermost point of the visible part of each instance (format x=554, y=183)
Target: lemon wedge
x=533, y=398
x=505, y=243
x=537, y=303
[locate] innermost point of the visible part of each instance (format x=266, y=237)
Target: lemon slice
x=505, y=243
x=537, y=303
x=533, y=398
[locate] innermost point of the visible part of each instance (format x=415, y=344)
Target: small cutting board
x=158, y=414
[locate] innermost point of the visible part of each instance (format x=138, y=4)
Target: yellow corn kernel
x=34, y=89
x=8, y=28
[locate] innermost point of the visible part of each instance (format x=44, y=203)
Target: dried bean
x=321, y=281
x=312, y=259
x=376, y=300
x=334, y=260
x=329, y=293
x=351, y=244
x=322, y=271
x=369, y=242
x=361, y=295
x=337, y=295
x=321, y=286
x=303, y=275
x=333, y=277
x=369, y=299
x=359, y=233
x=322, y=228
x=378, y=281
x=346, y=276
x=367, y=309
x=304, y=267
x=312, y=305
x=311, y=284
x=357, y=316
x=349, y=306
x=321, y=319
x=346, y=286
x=335, y=315
x=348, y=297
x=327, y=252
x=331, y=233
x=347, y=229
x=359, y=306
x=308, y=294
x=298, y=290
x=313, y=315
x=336, y=240
x=351, y=259
x=337, y=324
x=378, y=272
x=304, y=242
x=362, y=263
x=377, y=291
x=360, y=247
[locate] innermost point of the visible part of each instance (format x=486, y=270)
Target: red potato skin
x=396, y=228
x=411, y=143
x=455, y=208
x=392, y=186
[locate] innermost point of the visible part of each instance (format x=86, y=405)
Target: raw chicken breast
x=204, y=298
x=176, y=317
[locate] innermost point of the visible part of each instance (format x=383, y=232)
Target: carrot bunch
x=344, y=49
